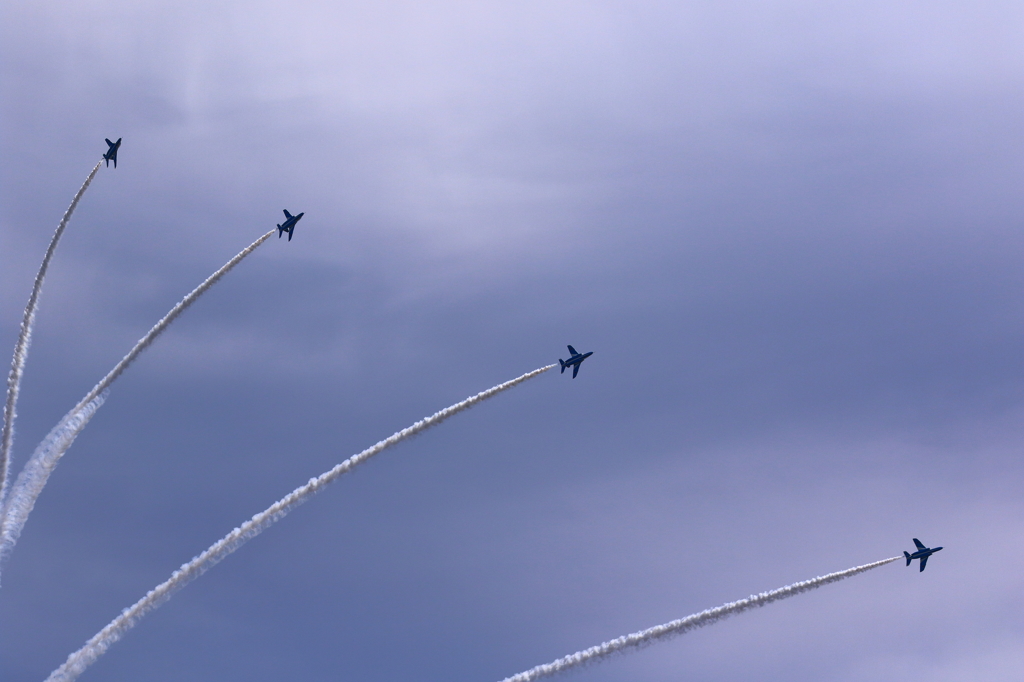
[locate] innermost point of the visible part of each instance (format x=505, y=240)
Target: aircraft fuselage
x=578, y=359
x=924, y=552
x=288, y=224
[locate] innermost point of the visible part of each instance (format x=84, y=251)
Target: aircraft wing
x=575, y=370
x=287, y=214
x=572, y=350
x=924, y=560
x=919, y=544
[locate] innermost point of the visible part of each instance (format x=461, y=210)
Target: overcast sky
x=789, y=231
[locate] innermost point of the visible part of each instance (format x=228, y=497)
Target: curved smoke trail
x=32, y=479
x=97, y=646
x=683, y=625
x=37, y=469
x=160, y=326
x=25, y=338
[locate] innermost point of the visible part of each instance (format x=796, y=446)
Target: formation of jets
x=575, y=359
x=289, y=220
x=922, y=553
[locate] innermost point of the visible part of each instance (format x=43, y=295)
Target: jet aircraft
x=922, y=553
x=288, y=225
x=574, y=361
x=111, y=154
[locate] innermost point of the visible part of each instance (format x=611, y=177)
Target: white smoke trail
x=160, y=326
x=25, y=338
x=40, y=465
x=32, y=478
x=683, y=625
x=97, y=646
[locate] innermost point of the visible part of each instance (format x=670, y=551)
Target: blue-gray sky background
x=790, y=231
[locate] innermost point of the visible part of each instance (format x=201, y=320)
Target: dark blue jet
x=111, y=154
x=288, y=225
x=574, y=361
x=922, y=553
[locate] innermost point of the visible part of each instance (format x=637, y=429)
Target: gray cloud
x=788, y=232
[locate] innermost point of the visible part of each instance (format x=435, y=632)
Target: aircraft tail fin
x=907, y=554
x=562, y=363
x=280, y=231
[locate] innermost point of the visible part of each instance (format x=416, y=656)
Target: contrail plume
x=683, y=625
x=95, y=647
x=25, y=338
x=41, y=464
x=32, y=478
x=160, y=326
